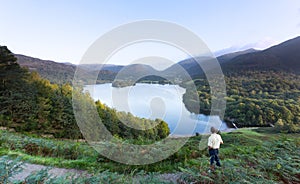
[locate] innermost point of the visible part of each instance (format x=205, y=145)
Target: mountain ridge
x=282, y=57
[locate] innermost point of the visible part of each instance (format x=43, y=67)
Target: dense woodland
x=263, y=87
x=29, y=103
x=255, y=98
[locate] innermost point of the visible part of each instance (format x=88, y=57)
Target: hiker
x=214, y=142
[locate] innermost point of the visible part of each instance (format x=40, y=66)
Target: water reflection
x=153, y=101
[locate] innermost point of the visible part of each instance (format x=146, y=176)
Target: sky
x=63, y=30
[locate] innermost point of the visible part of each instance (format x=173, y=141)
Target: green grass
x=248, y=155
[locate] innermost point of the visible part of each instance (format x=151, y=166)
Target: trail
x=54, y=171
x=28, y=169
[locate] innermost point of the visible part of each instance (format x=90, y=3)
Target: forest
x=29, y=103
x=254, y=99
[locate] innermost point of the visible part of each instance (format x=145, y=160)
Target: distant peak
x=259, y=45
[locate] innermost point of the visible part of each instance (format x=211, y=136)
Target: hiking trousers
x=213, y=153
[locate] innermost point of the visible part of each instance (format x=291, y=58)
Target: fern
x=9, y=168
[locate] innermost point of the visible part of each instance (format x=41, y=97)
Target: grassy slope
x=253, y=156
x=247, y=156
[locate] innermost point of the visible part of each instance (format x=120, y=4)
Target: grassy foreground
x=248, y=156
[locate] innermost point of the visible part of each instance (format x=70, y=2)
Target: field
x=248, y=156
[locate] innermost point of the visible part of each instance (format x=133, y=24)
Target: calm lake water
x=153, y=101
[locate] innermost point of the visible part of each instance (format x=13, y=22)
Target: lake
x=153, y=101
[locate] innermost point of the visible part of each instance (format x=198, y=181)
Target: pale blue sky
x=62, y=30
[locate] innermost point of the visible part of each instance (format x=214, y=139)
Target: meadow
x=248, y=156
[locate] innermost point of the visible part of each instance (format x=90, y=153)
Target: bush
x=283, y=126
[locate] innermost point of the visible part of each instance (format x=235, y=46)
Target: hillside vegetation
x=247, y=156
x=263, y=88
x=62, y=73
x=29, y=103
x=255, y=98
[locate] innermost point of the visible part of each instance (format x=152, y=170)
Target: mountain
x=259, y=45
x=97, y=67
x=282, y=57
x=185, y=68
x=53, y=71
x=192, y=67
x=227, y=57
x=130, y=74
x=61, y=73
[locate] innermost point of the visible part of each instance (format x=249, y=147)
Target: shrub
x=283, y=126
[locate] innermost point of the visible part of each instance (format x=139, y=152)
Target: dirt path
x=172, y=177
x=57, y=172
x=54, y=172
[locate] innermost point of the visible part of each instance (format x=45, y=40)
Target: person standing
x=214, y=142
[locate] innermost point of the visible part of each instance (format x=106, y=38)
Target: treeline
x=254, y=98
x=29, y=103
x=126, y=125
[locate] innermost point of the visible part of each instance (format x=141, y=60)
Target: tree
x=30, y=103
x=163, y=130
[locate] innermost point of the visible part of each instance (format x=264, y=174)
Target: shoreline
x=222, y=131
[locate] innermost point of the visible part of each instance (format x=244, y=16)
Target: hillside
x=107, y=67
x=282, y=57
x=194, y=70
x=263, y=88
x=280, y=163
x=61, y=73
x=29, y=103
x=259, y=83
x=227, y=57
x=55, y=72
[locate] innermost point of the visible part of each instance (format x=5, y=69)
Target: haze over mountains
x=260, y=45
x=282, y=57
x=285, y=56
